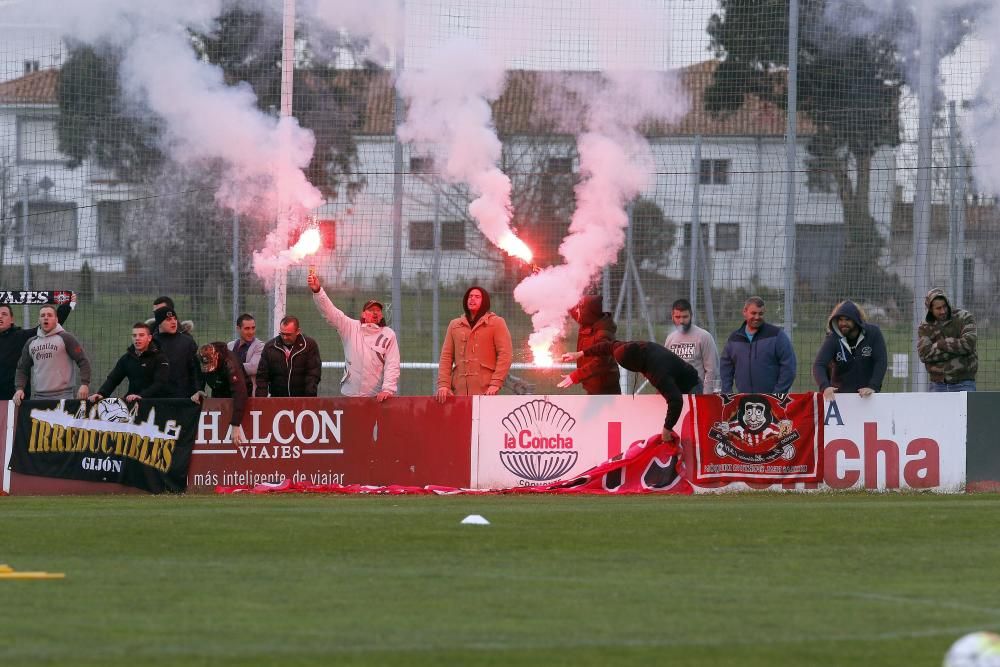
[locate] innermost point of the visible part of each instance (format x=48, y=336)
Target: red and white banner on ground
x=647, y=467
x=762, y=438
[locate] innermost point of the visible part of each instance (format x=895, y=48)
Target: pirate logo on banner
x=755, y=429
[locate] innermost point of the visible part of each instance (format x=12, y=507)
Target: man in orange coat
x=477, y=350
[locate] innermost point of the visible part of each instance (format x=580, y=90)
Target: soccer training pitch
x=767, y=579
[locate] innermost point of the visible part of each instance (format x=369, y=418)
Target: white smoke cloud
x=615, y=166
x=449, y=117
x=203, y=118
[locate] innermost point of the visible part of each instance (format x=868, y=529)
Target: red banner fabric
x=649, y=467
x=757, y=438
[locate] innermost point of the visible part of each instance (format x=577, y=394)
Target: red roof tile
x=34, y=88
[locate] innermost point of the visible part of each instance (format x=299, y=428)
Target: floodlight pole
x=25, y=248
x=791, y=155
x=287, y=72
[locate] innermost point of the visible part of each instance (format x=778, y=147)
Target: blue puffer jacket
x=764, y=366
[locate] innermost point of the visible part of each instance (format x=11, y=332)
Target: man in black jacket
x=669, y=374
x=290, y=364
x=180, y=348
x=143, y=364
x=12, y=340
x=222, y=371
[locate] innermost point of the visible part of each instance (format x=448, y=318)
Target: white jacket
x=253, y=360
x=371, y=353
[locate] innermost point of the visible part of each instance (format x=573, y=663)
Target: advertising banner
x=896, y=441
x=404, y=440
x=761, y=438
x=531, y=440
x=146, y=445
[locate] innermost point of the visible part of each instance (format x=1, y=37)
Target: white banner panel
x=886, y=441
x=528, y=440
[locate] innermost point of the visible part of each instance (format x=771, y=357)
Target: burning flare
x=515, y=247
x=307, y=244
x=540, y=343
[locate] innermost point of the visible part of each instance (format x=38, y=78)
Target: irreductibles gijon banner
x=146, y=445
x=761, y=438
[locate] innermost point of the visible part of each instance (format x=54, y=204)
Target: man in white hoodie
x=49, y=358
x=695, y=346
x=371, y=353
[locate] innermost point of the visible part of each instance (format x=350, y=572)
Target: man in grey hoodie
x=695, y=346
x=49, y=358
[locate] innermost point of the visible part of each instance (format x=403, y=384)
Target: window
x=110, y=224
x=727, y=236
x=819, y=179
x=452, y=235
x=559, y=165
x=51, y=226
x=714, y=172
x=31, y=66
x=421, y=164
x=37, y=140
x=702, y=232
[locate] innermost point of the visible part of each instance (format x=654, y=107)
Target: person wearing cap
x=669, y=374
x=290, y=364
x=179, y=347
x=143, y=364
x=222, y=371
x=371, y=351
x=477, y=351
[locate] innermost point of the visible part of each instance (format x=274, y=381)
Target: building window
x=421, y=164
x=51, y=226
x=727, y=236
x=31, y=66
x=110, y=224
x=559, y=165
x=686, y=235
x=452, y=235
x=714, y=172
x=37, y=140
x=820, y=180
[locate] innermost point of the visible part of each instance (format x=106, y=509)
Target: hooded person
x=221, y=370
x=694, y=345
x=49, y=359
x=853, y=355
x=371, y=351
x=12, y=341
x=477, y=350
x=666, y=372
x=598, y=375
x=946, y=344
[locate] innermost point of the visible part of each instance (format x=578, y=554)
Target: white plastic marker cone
x=475, y=520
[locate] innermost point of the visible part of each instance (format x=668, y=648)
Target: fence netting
x=156, y=152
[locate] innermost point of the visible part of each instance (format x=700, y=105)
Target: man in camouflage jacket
x=946, y=343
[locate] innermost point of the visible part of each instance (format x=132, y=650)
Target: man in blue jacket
x=758, y=355
x=853, y=355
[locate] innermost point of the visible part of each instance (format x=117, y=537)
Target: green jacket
x=948, y=348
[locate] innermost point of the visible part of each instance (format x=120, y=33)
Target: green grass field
x=317, y=580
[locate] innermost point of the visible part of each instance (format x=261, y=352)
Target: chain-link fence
x=159, y=158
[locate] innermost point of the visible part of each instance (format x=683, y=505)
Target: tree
x=849, y=88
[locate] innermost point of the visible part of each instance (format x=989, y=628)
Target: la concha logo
x=537, y=443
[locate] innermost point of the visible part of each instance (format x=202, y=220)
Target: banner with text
x=762, y=438
x=146, y=445
x=34, y=297
x=532, y=440
x=405, y=440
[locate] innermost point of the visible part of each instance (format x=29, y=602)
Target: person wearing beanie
x=477, y=350
x=666, y=372
x=946, y=344
x=371, y=352
x=598, y=375
x=179, y=347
